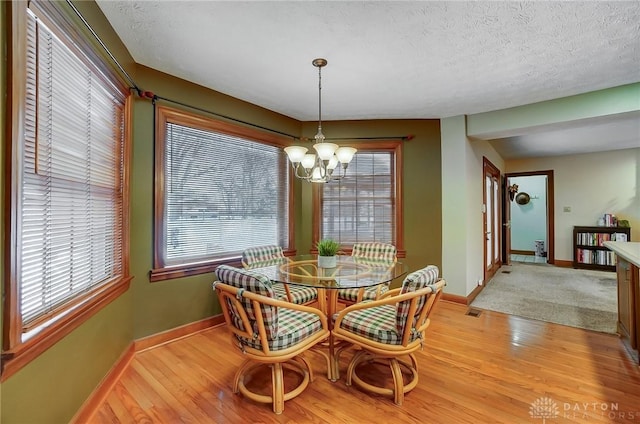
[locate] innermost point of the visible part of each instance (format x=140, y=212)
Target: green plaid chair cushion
x=262, y=256
x=415, y=281
x=377, y=324
x=266, y=263
x=351, y=295
x=301, y=295
x=375, y=255
x=255, y=283
x=293, y=326
x=279, y=290
x=375, y=250
x=265, y=256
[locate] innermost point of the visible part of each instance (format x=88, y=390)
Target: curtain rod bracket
x=146, y=95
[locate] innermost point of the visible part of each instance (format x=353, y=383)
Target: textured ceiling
x=426, y=59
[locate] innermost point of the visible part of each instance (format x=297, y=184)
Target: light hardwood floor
x=489, y=369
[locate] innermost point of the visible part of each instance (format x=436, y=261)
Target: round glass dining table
x=349, y=273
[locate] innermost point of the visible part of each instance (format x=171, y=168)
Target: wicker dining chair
x=261, y=256
x=374, y=254
x=390, y=328
x=268, y=331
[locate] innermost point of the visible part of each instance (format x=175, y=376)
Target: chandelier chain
x=319, y=98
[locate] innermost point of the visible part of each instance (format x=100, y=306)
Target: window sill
x=179, y=271
x=15, y=359
x=169, y=273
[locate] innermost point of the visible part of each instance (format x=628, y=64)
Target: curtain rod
x=151, y=96
x=156, y=97
x=95, y=35
x=402, y=137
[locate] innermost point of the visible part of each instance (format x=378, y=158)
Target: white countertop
x=628, y=250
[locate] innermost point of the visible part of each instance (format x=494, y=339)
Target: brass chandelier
x=319, y=167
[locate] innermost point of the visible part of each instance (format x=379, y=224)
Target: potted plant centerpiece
x=327, y=251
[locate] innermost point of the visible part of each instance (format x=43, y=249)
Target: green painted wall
x=422, y=189
x=60, y=379
x=52, y=387
x=168, y=304
x=3, y=143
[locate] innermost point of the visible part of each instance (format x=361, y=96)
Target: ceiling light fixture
x=319, y=168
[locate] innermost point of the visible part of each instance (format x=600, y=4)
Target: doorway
x=531, y=223
x=491, y=218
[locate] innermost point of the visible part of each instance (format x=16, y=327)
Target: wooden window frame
x=394, y=147
x=162, y=271
x=17, y=353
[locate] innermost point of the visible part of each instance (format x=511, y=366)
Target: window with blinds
x=67, y=244
x=72, y=177
x=362, y=207
x=222, y=192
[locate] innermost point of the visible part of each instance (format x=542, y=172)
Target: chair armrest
x=393, y=292
x=273, y=302
x=389, y=300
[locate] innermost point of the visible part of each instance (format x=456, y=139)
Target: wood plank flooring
x=494, y=368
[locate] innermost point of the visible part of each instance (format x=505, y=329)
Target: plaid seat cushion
x=266, y=256
x=351, y=295
x=256, y=283
x=266, y=263
x=415, y=281
x=302, y=295
x=299, y=294
x=374, y=250
x=375, y=255
x=279, y=290
x=253, y=256
x=293, y=327
x=377, y=324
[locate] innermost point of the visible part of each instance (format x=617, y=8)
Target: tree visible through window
x=224, y=191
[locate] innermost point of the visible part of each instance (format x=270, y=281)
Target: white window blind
x=361, y=207
x=223, y=194
x=71, y=181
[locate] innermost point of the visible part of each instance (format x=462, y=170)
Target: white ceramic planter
x=327, y=261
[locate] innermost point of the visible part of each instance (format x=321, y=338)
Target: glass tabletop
x=349, y=272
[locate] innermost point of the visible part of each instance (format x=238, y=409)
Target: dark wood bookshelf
x=588, y=251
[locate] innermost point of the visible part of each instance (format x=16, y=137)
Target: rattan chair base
x=278, y=396
x=333, y=364
x=396, y=365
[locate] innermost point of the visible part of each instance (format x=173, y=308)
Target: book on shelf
x=588, y=245
x=620, y=237
x=610, y=220
x=598, y=239
x=596, y=257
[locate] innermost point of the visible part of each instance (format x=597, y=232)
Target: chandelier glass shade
x=319, y=167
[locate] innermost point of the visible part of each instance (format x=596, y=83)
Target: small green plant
x=328, y=247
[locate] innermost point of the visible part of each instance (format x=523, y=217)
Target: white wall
x=590, y=185
x=462, y=188
x=454, y=204
x=462, y=184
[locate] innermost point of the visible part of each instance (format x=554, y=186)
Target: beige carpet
x=574, y=297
